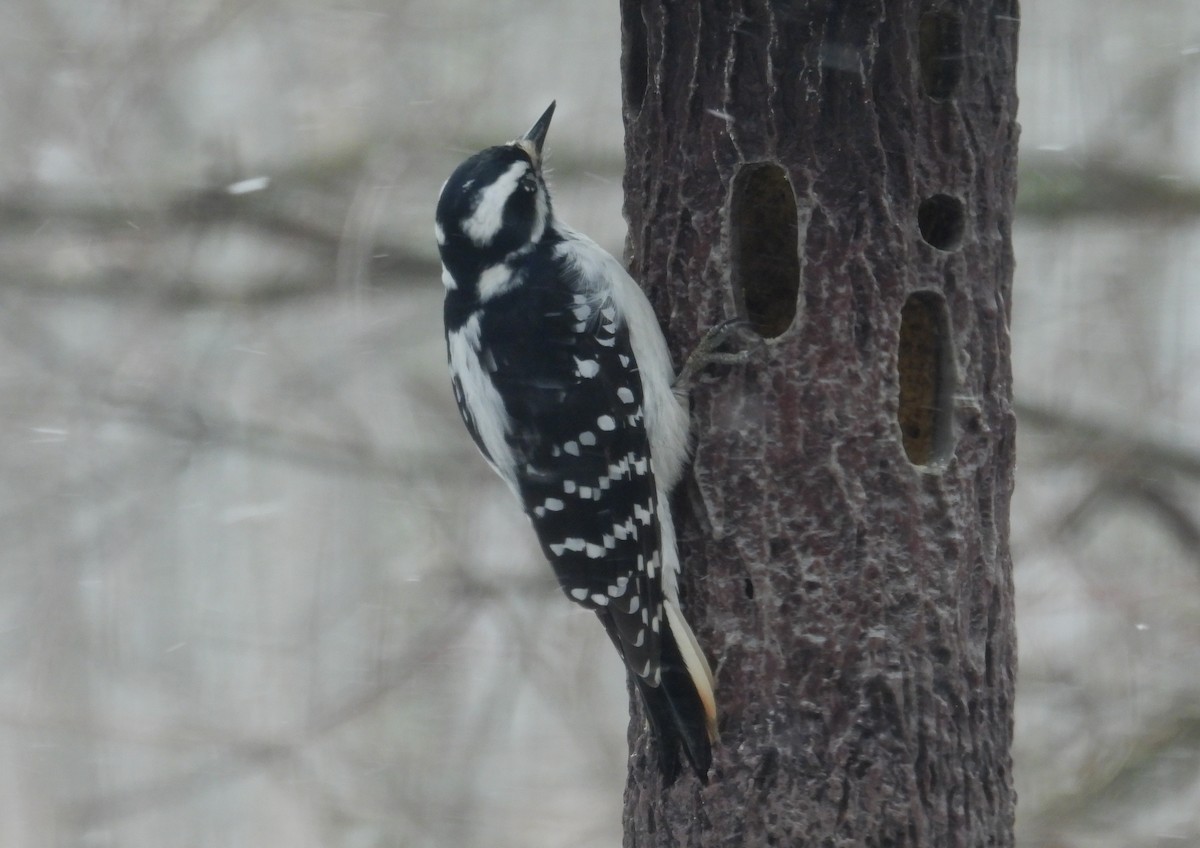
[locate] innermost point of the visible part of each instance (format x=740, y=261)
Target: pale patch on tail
x=696, y=663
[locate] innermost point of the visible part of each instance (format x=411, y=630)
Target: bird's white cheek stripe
x=481, y=399
x=488, y=217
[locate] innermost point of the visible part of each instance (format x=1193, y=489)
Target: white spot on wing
x=625, y=395
x=579, y=594
x=587, y=367
x=587, y=438
x=606, y=423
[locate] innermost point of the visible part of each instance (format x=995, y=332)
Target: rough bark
x=846, y=531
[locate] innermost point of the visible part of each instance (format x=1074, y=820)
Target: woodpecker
x=564, y=381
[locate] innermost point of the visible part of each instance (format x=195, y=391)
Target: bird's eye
x=529, y=183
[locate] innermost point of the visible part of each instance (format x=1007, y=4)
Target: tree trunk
x=841, y=174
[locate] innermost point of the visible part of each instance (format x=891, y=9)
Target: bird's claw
x=707, y=351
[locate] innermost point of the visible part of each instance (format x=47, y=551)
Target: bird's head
x=496, y=203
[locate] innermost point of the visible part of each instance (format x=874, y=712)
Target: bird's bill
x=537, y=133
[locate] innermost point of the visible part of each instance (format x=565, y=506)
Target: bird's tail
x=682, y=707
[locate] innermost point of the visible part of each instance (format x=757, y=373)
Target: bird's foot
x=708, y=352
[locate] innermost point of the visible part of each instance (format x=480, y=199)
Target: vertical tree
x=842, y=175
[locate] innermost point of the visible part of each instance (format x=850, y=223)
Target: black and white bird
x=564, y=380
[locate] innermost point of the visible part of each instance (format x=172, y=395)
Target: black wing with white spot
x=562, y=363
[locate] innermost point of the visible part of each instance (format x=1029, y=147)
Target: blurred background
x=257, y=587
